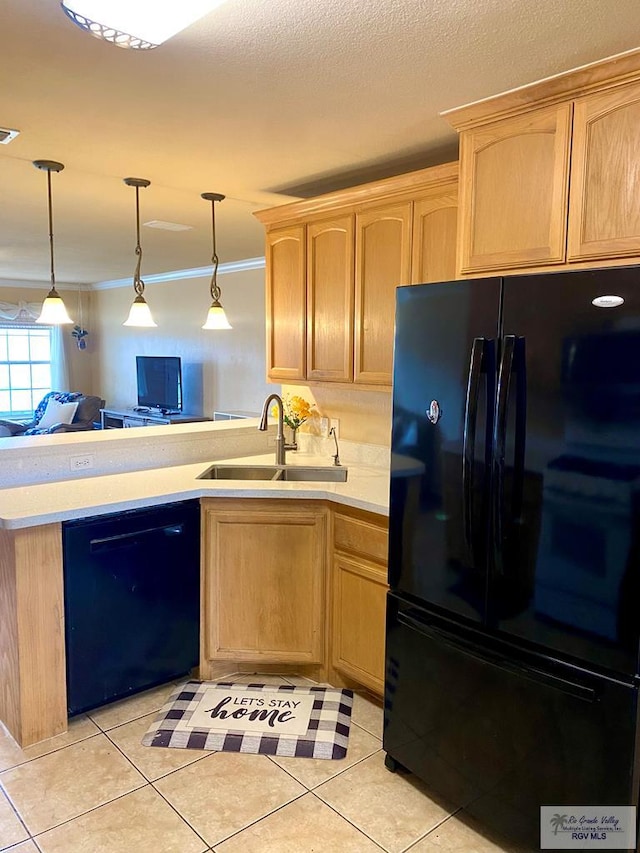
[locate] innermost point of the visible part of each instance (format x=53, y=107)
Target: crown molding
x=40, y=285
x=178, y=275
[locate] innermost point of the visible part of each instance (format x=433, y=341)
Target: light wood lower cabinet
x=277, y=595
x=359, y=591
x=264, y=574
x=33, y=697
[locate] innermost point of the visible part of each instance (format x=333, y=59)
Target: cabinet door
x=286, y=303
x=383, y=261
x=514, y=191
x=264, y=581
x=435, y=219
x=330, y=299
x=359, y=596
x=604, y=214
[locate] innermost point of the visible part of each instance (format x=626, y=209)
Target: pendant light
x=216, y=318
x=139, y=315
x=137, y=24
x=53, y=311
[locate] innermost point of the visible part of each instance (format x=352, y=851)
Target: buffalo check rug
x=306, y=722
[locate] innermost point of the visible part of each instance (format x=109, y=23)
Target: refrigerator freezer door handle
x=469, y=440
x=499, y=440
x=520, y=367
x=512, y=361
x=470, y=649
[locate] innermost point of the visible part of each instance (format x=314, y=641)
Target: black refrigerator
x=514, y=561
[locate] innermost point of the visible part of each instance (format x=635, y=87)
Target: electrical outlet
x=81, y=463
x=271, y=439
x=324, y=427
x=335, y=424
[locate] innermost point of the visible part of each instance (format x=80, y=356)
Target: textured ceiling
x=260, y=101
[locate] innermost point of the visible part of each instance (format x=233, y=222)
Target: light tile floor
x=96, y=789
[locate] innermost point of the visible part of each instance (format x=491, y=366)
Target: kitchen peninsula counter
x=32, y=665
x=367, y=488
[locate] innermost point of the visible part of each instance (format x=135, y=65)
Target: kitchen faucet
x=281, y=447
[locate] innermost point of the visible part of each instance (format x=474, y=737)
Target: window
x=25, y=368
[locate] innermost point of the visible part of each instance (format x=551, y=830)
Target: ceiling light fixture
x=216, y=318
x=137, y=24
x=53, y=311
x=139, y=315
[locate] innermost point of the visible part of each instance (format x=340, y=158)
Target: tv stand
x=127, y=418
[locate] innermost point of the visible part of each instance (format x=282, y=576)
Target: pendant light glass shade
x=137, y=24
x=54, y=312
x=139, y=314
x=216, y=318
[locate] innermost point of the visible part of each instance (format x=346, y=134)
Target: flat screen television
x=159, y=382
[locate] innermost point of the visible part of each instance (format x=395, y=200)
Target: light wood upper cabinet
x=330, y=289
x=433, y=256
x=604, y=211
x=286, y=303
x=264, y=566
x=514, y=180
x=383, y=261
x=359, y=244
x=549, y=172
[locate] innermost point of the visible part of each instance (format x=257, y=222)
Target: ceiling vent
x=168, y=226
x=6, y=135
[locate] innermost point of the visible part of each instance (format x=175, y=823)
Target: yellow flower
x=296, y=410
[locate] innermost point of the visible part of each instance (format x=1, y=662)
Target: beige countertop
x=367, y=488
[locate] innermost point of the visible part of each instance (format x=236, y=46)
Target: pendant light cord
x=215, y=290
x=53, y=275
x=138, y=284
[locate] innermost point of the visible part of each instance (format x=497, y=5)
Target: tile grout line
x=83, y=814
x=168, y=684
x=226, y=838
x=51, y=752
x=181, y=816
x=433, y=829
x=153, y=787
x=144, y=776
x=34, y=836
x=260, y=819
x=345, y=818
x=15, y=811
x=331, y=778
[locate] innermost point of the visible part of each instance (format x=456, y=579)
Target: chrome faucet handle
x=336, y=455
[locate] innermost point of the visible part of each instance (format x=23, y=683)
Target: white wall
x=221, y=370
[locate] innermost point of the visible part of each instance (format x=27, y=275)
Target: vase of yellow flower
x=296, y=410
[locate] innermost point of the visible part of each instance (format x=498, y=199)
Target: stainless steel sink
x=241, y=472
x=295, y=473
x=286, y=473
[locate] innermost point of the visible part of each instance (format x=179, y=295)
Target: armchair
x=84, y=418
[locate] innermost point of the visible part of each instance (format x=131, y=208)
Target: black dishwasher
x=132, y=601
